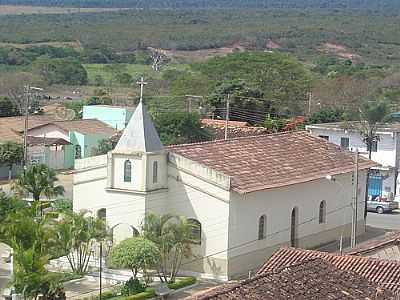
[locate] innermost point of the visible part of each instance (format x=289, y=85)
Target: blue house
x=115, y=116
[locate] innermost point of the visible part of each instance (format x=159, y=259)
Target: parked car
x=381, y=205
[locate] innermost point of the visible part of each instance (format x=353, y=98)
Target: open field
x=373, y=38
x=26, y=10
x=135, y=70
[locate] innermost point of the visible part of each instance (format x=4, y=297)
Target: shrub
x=107, y=295
x=132, y=287
x=147, y=294
x=182, y=283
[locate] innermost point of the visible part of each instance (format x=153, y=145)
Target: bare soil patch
x=25, y=9
x=341, y=51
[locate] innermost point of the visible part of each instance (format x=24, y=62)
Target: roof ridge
x=237, y=138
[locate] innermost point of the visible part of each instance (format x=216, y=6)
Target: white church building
x=250, y=195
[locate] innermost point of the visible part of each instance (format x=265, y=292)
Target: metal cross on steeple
x=142, y=83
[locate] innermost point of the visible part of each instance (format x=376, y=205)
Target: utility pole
x=354, y=218
x=190, y=99
x=227, y=116
x=26, y=107
x=101, y=267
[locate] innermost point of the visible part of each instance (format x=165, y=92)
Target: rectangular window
x=344, y=142
x=155, y=172
x=374, y=147
x=325, y=137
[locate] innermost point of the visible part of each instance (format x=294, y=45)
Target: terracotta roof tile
x=11, y=127
x=270, y=161
x=84, y=126
x=385, y=273
x=311, y=279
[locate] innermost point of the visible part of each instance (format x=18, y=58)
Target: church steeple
x=140, y=133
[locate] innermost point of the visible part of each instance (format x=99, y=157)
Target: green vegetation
x=182, y=282
x=179, y=128
x=136, y=254
x=40, y=181
x=10, y=154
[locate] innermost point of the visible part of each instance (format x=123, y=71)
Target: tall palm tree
x=39, y=180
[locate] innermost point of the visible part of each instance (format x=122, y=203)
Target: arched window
x=127, y=171
x=262, y=227
x=294, y=219
x=78, y=152
x=322, y=212
x=102, y=214
x=155, y=172
x=196, y=231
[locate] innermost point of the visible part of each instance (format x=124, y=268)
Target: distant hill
x=374, y=5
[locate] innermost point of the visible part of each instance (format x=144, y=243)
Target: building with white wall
x=250, y=195
x=383, y=180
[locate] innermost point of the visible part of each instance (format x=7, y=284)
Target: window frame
x=341, y=142
x=155, y=171
x=322, y=212
x=325, y=137
x=127, y=171
x=196, y=233
x=262, y=227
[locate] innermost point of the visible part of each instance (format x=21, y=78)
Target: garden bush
x=147, y=294
x=132, y=287
x=180, y=283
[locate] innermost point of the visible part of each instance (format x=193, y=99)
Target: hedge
x=149, y=293
x=180, y=283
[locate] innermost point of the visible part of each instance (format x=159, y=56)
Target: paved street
x=390, y=221
x=5, y=269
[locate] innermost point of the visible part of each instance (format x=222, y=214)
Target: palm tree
x=174, y=237
x=39, y=180
x=371, y=115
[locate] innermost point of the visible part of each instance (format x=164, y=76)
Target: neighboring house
x=10, y=131
x=248, y=195
x=307, y=280
x=293, y=273
x=82, y=136
x=115, y=116
x=235, y=129
x=383, y=180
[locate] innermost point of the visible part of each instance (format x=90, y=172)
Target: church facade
x=249, y=195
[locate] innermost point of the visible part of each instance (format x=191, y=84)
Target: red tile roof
x=84, y=126
x=385, y=273
x=221, y=123
x=365, y=248
x=270, y=161
x=311, y=279
x=11, y=127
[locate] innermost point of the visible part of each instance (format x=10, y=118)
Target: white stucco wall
x=387, y=145
x=50, y=131
x=277, y=205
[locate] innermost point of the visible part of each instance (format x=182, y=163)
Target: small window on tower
x=127, y=171
x=155, y=172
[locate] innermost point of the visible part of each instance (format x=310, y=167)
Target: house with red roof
x=248, y=195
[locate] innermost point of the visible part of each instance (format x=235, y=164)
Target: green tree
x=174, y=237
x=124, y=78
x=180, y=127
x=61, y=71
x=75, y=235
x=8, y=108
x=372, y=113
x=137, y=254
x=10, y=154
x=103, y=147
x=38, y=180
x=327, y=115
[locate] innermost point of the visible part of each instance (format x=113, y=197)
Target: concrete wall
x=49, y=131
x=386, y=154
x=116, y=117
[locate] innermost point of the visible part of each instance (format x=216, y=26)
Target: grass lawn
x=108, y=71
